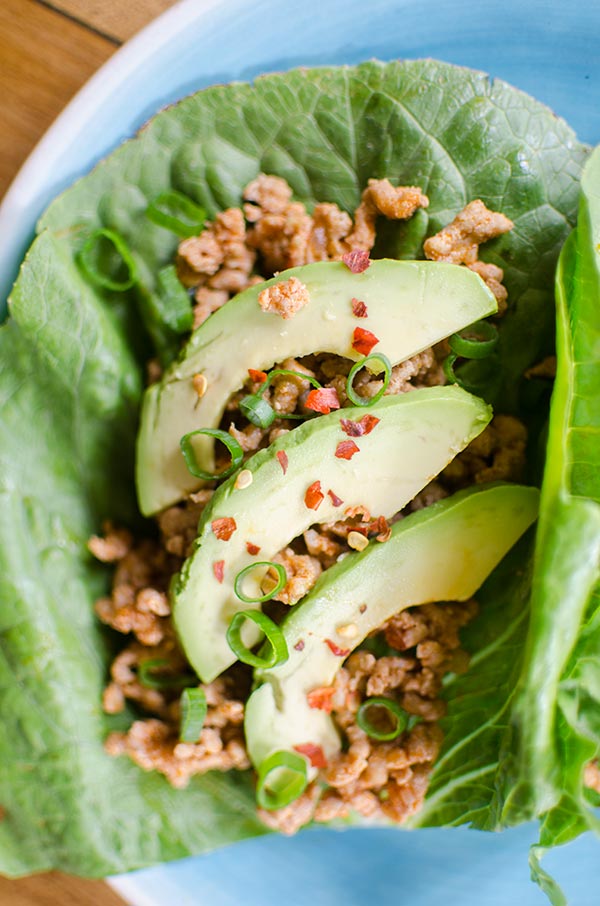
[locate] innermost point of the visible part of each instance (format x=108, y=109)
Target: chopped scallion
x=239, y=580
x=476, y=341
x=375, y=714
x=193, y=713
x=153, y=673
x=275, y=644
x=282, y=777
x=189, y=454
x=177, y=213
x=107, y=261
x=386, y=367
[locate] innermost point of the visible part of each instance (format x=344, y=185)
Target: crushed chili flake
x=362, y=608
x=359, y=308
x=346, y=449
x=283, y=460
x=363, y=340
x=320, y=698
x=356, y=261
x=314, y=753
x=335, y=649
x=336, y=501
x=259, y=377
x=218, y=568
x=364, y=425
x=382, y=527
x=314, y=496
x=224, y=527
x=252, y=548
x=322, y=400
x=299, y=646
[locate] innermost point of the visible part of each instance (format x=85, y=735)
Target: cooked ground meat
x=387, y=779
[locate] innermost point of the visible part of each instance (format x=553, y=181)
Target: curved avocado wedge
x=441, y=553
x=410, y=306
x=417, y=434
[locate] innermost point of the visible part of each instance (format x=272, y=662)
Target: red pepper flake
x=359, y=308
x=336, y=501
x=321, y=698
x=252, y=548
x=283, y=460
x=364, y=425
x=346, y=449
x=362, y=608
x=382, y=527
x=363, y=340
x=356, y=261
x=322, y=400
x=314, y=496
x=258, y=377
x=299, y=646
x=223, y=528
x=335, y=649
x=314, y=753
x=218, y=567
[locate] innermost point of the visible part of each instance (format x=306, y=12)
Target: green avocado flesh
x=410, y=306
x=442, y=553
x=417, y=435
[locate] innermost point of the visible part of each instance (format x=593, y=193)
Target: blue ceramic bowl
x=546, y=47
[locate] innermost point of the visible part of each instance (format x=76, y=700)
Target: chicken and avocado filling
x=270, y=234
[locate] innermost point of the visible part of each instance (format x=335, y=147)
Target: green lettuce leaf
x=72, y=363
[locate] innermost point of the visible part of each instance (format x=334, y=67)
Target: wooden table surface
x=48, y=49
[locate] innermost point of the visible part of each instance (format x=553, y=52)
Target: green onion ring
x=257, y=410
x=158, y=212
x=260, y=412
x=387, y=368
x=282, y=581
x=175, y=304
x=189, y=454
x=145, y=674
x=393, y=708
x=193, y=713
x=273, y=636
x=88, y=264
x=476, y=341
x=292, y=765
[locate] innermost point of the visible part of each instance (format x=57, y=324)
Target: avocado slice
x=410, y=306
x=418, y=433
x=441, y=553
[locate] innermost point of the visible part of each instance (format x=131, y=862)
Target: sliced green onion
x=177, y=213
x=239, y=579
x=174, y=307
x=147, y=671
x=189, y=454
x=285, y=371
x=448, y=369
x=476, y=341
x=282, y=777
x=386, y=366
x=107, y=261
x=257, y=410
x=394, y=713
x=193, y=713
x=274, y=640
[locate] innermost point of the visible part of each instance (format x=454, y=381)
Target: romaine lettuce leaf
x=72, y=362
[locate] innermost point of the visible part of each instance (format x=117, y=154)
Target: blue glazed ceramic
x=545, y=47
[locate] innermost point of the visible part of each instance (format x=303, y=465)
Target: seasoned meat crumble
x=408, y=657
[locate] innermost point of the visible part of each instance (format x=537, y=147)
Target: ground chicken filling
x=408, y=657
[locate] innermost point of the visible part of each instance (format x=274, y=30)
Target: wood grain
x=116, y=20
x=55, y=889
x=44, y=59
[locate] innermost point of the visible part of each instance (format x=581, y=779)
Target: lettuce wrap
x=522, y=723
